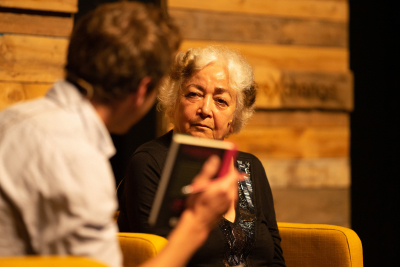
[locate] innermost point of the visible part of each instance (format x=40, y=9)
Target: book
x=185, y=159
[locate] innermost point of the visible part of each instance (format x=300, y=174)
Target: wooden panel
x=11, y=93
x=32, y=59
x=300, y=58
x=67, y=6
x=327, y=10
x=36, y=25
x=298, y=50
x=293, y=139
x=299, y=119
x=304, y=90
x=307, y=173
x=325, y=206
x=239, y=27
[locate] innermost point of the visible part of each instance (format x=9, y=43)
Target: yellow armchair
x=320, y=245
x=137, y=248
x=48, y=261
x=304, y=245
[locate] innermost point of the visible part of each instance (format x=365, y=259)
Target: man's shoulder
x=22, y=112
x=37, y=124
x=40, y=112
x=56, y=111
x=20, y=122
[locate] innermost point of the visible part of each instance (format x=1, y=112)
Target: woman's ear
x=230, y=126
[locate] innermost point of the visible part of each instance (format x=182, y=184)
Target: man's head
x=114, y=47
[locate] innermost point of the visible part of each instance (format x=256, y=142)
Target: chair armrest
x=320, y=245
x=138, y=248
x=49, y=261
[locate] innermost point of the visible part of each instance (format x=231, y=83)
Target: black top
x=253, y=239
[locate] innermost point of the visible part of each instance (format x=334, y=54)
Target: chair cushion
x=138, y=248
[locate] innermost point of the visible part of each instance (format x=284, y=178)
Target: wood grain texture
x=12, y=93
x=299, y=53
x=310, y=118
x=67, y=6
x=238, y=27
x=296, y=136
x=326, y=10
x=307, y=173
x=320, y=206
x=32, y=59
x=303, y=90
x=287, y=142
x=35, y=25
x=296, y=58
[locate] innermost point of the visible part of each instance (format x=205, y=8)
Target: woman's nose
x=206, y=106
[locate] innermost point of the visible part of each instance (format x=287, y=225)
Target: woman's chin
x=201, y=134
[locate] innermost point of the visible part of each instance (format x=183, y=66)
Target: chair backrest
x=48, y=261
x=320, y=245
x=138, y=248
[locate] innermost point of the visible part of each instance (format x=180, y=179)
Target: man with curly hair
x=57, y=191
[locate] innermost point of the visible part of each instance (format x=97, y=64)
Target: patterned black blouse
x=251, y=240
x=240, y=234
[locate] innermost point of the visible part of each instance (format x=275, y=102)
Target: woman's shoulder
x=160, y=144
x=250, y=158
x=244, y=155
x=153, y=152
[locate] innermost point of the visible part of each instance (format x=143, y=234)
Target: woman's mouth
x=199, y=125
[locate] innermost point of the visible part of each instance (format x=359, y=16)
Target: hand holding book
x=214, y=196
x=184, y=173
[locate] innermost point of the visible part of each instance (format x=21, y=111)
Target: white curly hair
x=241, y=79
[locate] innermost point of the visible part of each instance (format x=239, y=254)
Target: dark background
x=374, y=59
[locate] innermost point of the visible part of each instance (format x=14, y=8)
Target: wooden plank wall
x=300, y=132
x=33, y=42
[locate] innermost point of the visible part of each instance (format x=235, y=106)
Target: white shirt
x=57, y=191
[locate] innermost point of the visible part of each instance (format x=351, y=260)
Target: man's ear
x=141, y=92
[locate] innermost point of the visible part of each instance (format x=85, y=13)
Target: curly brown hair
x=115, y=46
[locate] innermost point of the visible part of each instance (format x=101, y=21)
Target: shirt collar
x=67, y=97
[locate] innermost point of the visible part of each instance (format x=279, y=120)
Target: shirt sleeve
x=265, y=200
x=94, y=205
x=62, y=191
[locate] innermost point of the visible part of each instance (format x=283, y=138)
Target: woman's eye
x=192, y=94
x=222, y=102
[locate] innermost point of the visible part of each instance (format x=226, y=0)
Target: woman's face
x=206, y=104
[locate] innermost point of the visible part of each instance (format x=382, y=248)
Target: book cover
x=186, y=157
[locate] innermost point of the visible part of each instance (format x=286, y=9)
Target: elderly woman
x=210, y=93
